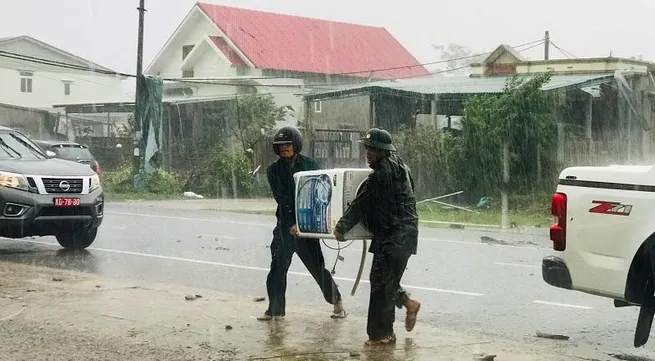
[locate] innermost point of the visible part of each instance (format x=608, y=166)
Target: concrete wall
x=34, y=123
x=340, y=113
x=564, y=66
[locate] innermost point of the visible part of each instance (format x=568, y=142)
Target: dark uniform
x=284, y=244
x=386, y=205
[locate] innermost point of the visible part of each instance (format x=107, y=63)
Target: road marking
x=517, y=265
x=218, y=236
x=253, y=268
x=12, y=316
x=563, y=305
x=270, y=225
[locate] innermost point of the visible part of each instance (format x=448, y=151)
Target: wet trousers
x=309, y=251
x=386, y=293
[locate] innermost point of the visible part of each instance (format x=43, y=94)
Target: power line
x=105, y=72
x=564, y=52
x=211, y=82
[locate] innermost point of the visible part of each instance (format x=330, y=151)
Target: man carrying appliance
x=287, y=143
x=386, y=205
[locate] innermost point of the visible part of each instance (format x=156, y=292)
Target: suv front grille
x=54, y=185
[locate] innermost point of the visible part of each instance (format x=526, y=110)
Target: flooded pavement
x=485, y=283
x=55, y=314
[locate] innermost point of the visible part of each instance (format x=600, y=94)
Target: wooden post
x=588, y=128
x=504, y=197
x=560, y=142
x=539, y=168
x=235, y=192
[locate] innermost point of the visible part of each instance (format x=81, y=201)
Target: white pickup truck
x=604, y=237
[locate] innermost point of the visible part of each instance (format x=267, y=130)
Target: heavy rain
x=249, y=180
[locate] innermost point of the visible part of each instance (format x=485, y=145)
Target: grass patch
x=519, y=219
x=525, y=211
x=138, y=196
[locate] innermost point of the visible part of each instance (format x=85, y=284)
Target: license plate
x=67, y=202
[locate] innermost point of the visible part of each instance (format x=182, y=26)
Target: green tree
x=521, y=117
x=472, y=161
x=253, y=115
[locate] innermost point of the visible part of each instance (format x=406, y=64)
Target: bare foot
x=338, y=311
x=412, y=307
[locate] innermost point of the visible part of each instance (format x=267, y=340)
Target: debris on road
x=228, y=327
x=552, y=336
x=57, y=279
x=354, y=354
x=490, y=240
x=484, y=357
x=192, y=195
x=626, y=357
x=260, y=299
x=189, y=297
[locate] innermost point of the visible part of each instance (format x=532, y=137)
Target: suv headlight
x=13, y=180
x=95, y=182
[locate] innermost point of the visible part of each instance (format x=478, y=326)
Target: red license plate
x=67, y=202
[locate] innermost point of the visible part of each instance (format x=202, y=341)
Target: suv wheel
x=79, y=239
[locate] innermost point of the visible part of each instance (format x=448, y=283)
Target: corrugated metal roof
x=471, y=85
x=467, y=85
x=286, y=42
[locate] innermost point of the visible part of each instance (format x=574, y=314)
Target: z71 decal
x=613, y=208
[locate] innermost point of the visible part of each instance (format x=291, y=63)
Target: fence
x=36, y=123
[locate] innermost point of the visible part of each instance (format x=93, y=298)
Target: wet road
x=462, y=282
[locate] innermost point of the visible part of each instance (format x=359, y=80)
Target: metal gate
x=338, y=148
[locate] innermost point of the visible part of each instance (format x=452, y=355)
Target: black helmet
x=287, y=135
x=378, y=138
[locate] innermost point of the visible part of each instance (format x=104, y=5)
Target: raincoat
x=386, y=205
x=284, y=245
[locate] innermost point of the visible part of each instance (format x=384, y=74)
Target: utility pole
x=138, y=138
x=546, y=45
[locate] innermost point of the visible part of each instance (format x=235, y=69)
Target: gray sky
x=105, y=31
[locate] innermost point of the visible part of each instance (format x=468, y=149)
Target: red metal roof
x=222, y=45
x=293, y=43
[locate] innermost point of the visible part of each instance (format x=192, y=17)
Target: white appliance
x=323, y=196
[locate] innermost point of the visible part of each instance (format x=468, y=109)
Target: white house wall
x=48, y=81
x=48, y=88
x=195, y=30
x=285, y=97
x=211, y=65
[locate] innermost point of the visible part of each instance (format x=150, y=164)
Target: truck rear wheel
x=77, y=239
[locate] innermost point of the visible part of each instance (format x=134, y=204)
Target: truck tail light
x=558, y=230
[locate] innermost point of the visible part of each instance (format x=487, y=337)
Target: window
x=67, y=88
x=317, y=106
x=186, y=49
x=26, y=81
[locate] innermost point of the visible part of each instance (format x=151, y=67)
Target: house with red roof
x=215, y=48
x=220, y=41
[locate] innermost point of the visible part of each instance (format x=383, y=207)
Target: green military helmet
x=378, y=138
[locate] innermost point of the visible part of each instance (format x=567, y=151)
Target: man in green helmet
x=386, y=205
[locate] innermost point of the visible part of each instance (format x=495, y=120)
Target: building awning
x=465, y=85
